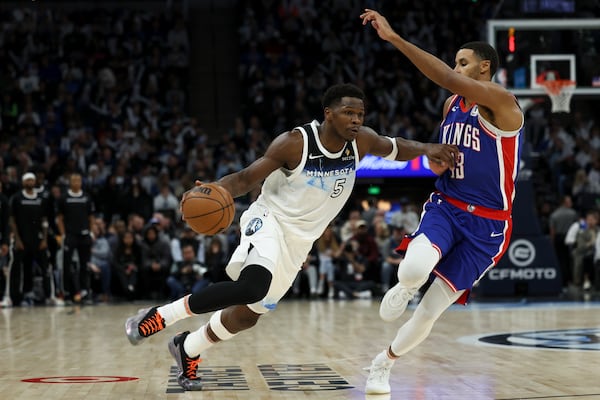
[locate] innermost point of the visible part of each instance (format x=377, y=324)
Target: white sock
x=435, y=301
x=175, y=311
x=383, y=357
x=197, y=342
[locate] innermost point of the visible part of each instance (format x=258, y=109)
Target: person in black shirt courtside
x=75, y=216
x=29, y=224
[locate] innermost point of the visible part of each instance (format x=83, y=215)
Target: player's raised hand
x=378, y=21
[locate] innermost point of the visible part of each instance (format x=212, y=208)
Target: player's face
x=29, y=184
x=75, y=183
x=347, y=117
x=467, y=63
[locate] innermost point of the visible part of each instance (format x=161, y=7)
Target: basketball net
x=560, y=92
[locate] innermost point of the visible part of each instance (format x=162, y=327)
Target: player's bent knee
x=254, y=282
x=420, y=259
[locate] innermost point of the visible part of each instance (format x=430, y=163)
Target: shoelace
x=377, y=372
x=152, y=325
x=191, y=366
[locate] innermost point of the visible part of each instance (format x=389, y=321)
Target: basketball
x=208, y=209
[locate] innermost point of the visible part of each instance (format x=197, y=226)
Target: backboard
x=559, y=48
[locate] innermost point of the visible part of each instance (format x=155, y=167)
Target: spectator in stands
x=560, y=221
x=381, y=233
x=349, y=227
x=370, y=210
x=156, y=264
x=136, y=200
x=115, y=232
x=391, y=258
x=368, y=250
x=166, y=203
x=583, y=250
x=216, y=260
x=137, y=225
x=127, y=264
x=188, y=275
x=351, y=282
x=329, y=249
x=406, y=216
x=101, y=261
x=188, y=236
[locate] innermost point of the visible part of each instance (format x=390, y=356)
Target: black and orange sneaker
x=146, y=322
x=188, y=366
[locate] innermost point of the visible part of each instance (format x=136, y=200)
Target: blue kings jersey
x=486, y=169
x=306, y=199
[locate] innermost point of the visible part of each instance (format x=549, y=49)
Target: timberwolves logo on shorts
x=254, y=225
x=560, y=339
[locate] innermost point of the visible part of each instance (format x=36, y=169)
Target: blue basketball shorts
x=469, y=245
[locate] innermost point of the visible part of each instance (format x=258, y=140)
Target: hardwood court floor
x=308, y=349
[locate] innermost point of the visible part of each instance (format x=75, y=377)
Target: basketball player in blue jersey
x=466, y=225
x=308, y=175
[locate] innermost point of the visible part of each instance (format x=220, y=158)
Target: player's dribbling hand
x=378, y=21
x=197, y=183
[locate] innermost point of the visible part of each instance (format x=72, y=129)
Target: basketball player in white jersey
x=466, y=224
x=308, y=175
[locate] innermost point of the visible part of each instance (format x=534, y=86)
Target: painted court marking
x=213, y=378
x=582, y=339
x=285, y=377
x=302, y=377
x=80, y=379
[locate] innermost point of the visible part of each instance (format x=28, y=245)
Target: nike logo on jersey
x=454, y=108
x=496, y=234
x=312, y=156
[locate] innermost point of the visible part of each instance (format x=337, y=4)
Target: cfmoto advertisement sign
x=529, y=267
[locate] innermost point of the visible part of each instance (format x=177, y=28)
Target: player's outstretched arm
x=431, y=66
x=372, y=143
x=483, y=92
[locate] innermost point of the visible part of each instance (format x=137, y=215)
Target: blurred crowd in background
x=103, y=94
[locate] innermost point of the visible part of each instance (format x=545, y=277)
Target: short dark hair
x=334, y=94
x=484, y=51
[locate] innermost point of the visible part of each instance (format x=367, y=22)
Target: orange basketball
x=208, y=209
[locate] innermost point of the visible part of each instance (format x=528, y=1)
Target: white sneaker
x=320, y=287
x=378, y=381
x=56, y=301
x=587, y=285
x=6, y=302
x=395, y=301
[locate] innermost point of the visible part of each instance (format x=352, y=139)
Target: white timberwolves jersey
x=306, y=199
